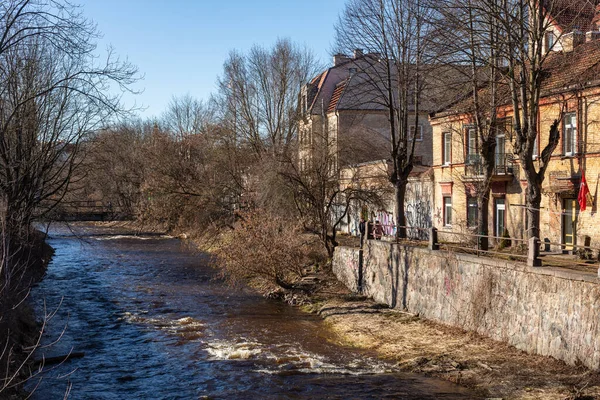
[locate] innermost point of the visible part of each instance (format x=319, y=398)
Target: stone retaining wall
x=548, y=311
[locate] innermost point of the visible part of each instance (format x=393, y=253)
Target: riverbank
x=18, y=323
x=493, y=369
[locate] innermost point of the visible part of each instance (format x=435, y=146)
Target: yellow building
x=571, y=94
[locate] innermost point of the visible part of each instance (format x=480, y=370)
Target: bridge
x=90, y=210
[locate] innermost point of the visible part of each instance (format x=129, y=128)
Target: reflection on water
x=155, y=324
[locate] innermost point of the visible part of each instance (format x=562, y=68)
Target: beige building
x=345, y=122
x=343, y=112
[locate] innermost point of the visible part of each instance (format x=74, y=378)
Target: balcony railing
x=503, y=166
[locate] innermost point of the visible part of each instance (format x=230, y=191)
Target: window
x=550, y=40
x=505, y=127
x=352, y=70
x=472, y=153
x=447, y=148
x=535, y=153
x=471, y=211
x=419, y=137
x=501, y=165
x=447, y=211
x=570, y=134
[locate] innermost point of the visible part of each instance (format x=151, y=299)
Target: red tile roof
x=563, y=72
x=579, y=68
x=337, y=95
x=318, y=78
x=572, y=14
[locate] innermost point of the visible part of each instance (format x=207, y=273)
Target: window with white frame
x=472, y=152
x=570, y=134
x=447, y=148
x=550, y=39
x=419, y=133
x=447, y=211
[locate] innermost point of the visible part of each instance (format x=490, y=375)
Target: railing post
x=361, y=256
x=533, y=255
x=433, y=239
x=483, y=243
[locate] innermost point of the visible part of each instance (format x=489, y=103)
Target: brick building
x=571, y=94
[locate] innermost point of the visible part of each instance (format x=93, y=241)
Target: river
x=153, y=322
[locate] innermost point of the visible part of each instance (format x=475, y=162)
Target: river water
x=154, y=323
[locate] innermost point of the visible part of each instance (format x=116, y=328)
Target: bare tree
x=113, y=169
x=257, y=107
x=393, y=32
x=258, y=95
x=467, y=37
x=526, y=23
x=322, y=197
x=53, y=93
x=186, y=115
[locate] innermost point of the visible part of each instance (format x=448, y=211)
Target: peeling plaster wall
x=548, y=311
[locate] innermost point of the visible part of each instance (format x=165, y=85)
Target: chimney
x=592, y=36
x=339, y=58
x=358, y=53
x=572, y=40
x=596, y=19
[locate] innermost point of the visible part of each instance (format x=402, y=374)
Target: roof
x=337, y=95
x=578, y=68
x=321, y=86
x=563, y=72
x=572, y=15
x=315, y=87
x=338, y=88
x=318, y=78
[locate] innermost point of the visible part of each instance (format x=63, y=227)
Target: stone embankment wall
x=548, y=311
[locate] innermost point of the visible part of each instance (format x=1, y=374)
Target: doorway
x=500, y=217
x=569, y=219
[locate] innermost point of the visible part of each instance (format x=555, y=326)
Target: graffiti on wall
x=418, y=208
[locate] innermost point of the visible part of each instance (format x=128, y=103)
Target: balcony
x=504, y=168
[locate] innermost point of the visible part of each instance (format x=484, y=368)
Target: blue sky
x=180, y=45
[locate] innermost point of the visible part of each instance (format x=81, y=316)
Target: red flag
x=583, y=192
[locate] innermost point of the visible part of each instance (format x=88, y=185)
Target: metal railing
x=504, y=165
x=464, y=242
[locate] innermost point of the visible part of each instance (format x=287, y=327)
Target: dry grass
x=493, y=369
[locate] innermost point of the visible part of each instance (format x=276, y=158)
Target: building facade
x=571, y=95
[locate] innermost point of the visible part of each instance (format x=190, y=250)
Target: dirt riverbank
x=493, y=369
x=19, y=330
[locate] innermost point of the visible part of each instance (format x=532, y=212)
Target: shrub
x=265, y=249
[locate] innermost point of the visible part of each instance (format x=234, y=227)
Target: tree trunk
x=483, y=204
x=488, y=159
x=400, y=194
x=533, y=200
